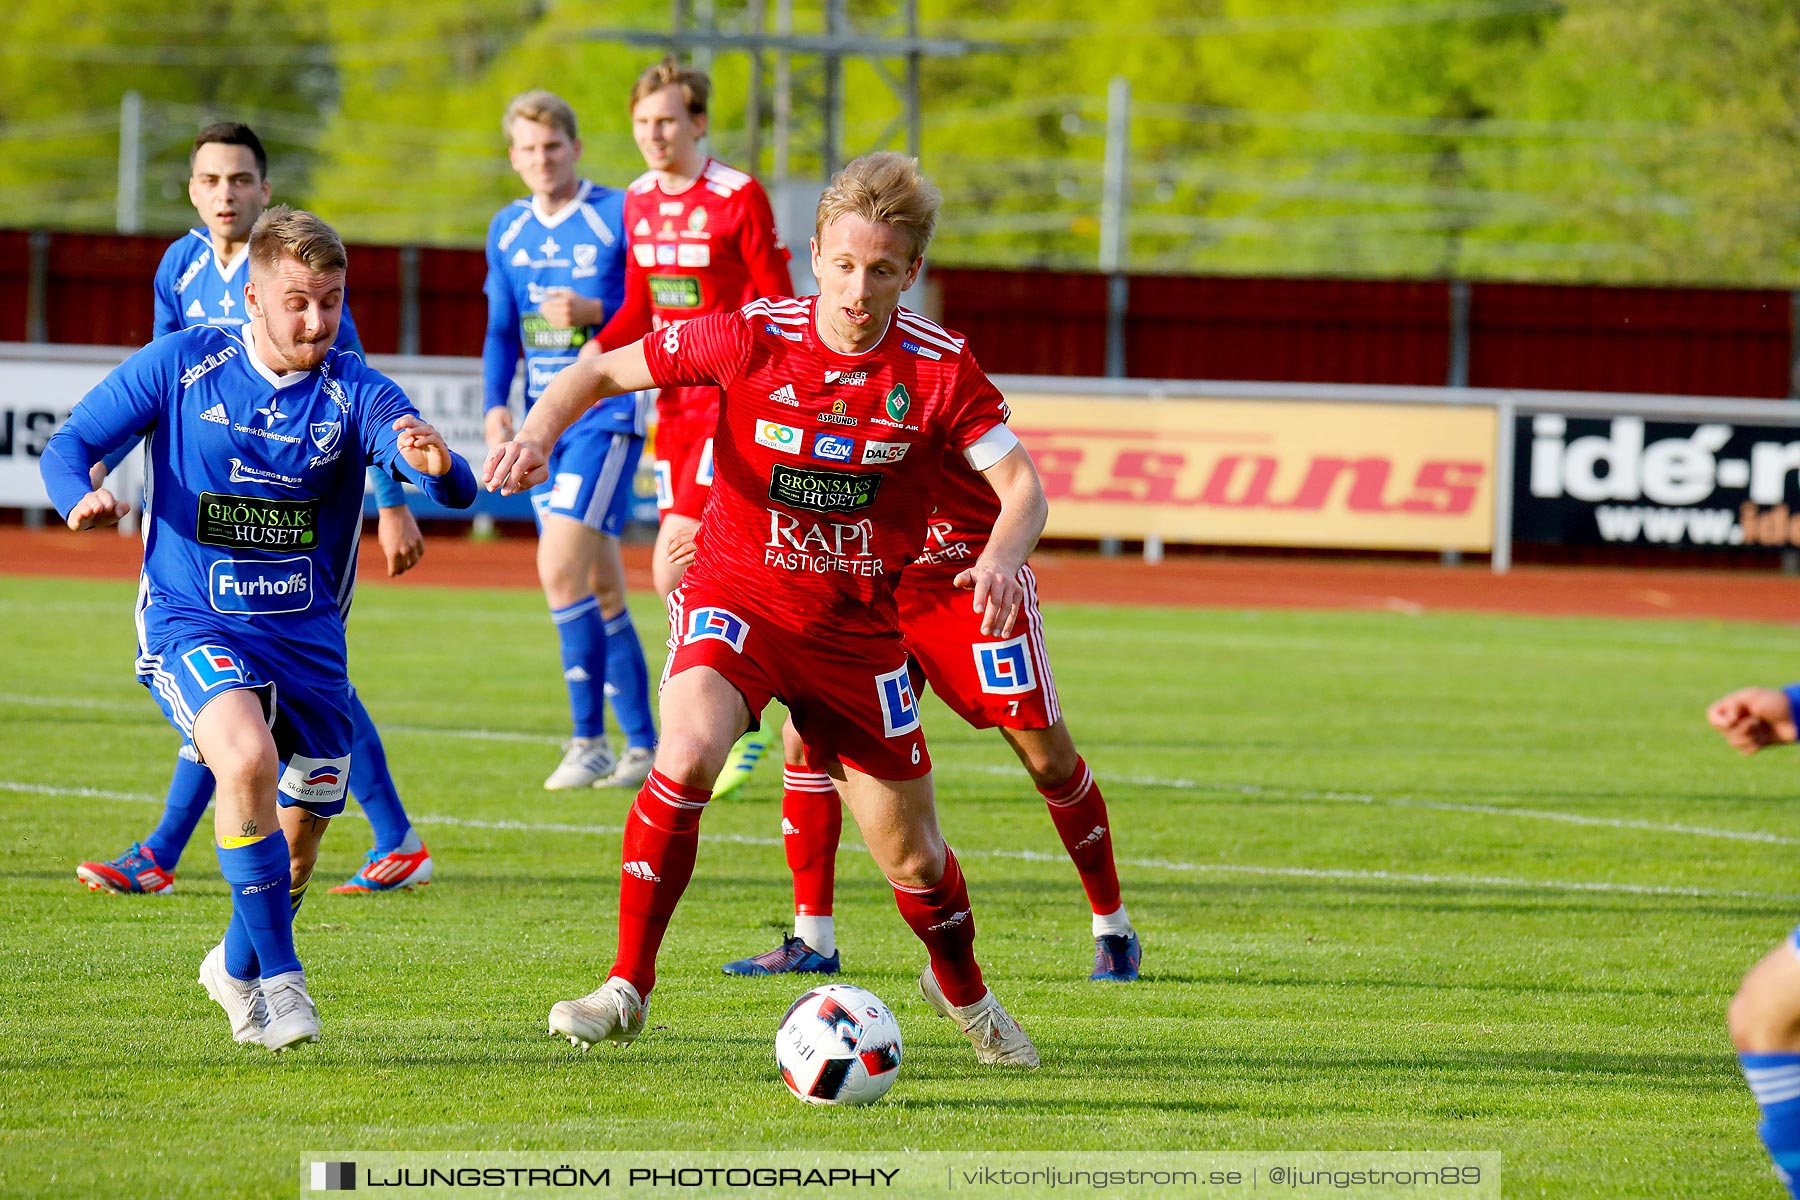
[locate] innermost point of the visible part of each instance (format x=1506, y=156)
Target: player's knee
x=564, y=583
x=243, y=758
x=1763, y=1021
x=917, y=867
x=1049, y=769
x=689, y=758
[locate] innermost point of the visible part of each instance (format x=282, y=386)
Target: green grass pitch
x=1441, y=881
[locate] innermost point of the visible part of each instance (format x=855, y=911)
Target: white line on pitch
x=1496, y=810
x=1191, y=785
x=1154, y=864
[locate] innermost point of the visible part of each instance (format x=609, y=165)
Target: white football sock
x=1112, y=924
x=816, y=932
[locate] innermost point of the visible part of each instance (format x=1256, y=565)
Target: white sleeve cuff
x=990, y=447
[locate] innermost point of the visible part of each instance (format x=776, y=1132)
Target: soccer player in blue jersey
x=556, y=271
x=1764, y=1018
x=256, y=440
x=201, y=282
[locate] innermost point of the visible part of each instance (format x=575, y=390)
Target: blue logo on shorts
x=1005, y=666
x=832, y=448
x=717, y=624
x=899, y=708
x=212, y=666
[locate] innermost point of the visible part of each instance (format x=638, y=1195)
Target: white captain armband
x=990, y=447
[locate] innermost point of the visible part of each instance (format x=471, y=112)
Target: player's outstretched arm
x=522, y=462
x=994, y=578
x=1752, y=718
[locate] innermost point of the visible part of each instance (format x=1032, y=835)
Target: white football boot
x=585, y=762
x=996, y=1036
x=634, y=767
x=241, y=999
x=612, y=1012
x=292, y=1017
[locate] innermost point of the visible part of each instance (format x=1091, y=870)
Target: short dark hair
x=231, y=133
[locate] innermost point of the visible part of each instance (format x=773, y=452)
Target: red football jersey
x=958, y=530
x=712, y=247
x=825, y=465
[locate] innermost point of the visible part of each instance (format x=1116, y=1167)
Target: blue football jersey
x=253, y=500
x=194, y=288
x=582, y=247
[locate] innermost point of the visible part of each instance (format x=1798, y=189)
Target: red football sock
x=662, y=834
x=941, y=917
x=1080, y=815
x=812, y=822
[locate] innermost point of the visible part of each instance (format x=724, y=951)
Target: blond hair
x=299, y=235
x=693, y=82
x=884, y=188
x=546, y=108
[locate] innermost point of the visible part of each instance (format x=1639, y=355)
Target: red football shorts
x=684, y=451
x=851, y=697
x=985, y=681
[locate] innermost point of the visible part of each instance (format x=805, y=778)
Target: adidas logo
x=788, y=828
x=194, y=310
x=216, y=414
x=641, y=870
x=952, y=923
x=577, y=675
x=785, y=395
x=521, y=258
x=1092, y=838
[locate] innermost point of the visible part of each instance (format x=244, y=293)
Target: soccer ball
x=838, y=1044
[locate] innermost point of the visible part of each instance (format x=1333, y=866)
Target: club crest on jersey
x=1005, y=667
x=899, y=708
x=697, y=220
x=585, y=254
x=325, y=434
x=716, y=624
x=898, y=402
x=212, y=665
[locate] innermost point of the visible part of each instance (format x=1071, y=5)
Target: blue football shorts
x=592, y=468
x=308, y=713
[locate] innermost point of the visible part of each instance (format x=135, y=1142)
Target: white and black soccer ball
x=838, y=1044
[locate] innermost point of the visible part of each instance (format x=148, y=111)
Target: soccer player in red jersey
x=701, y=239
x=988, y=682
x=836, y=415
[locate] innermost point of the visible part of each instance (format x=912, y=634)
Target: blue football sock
x=1775, y=1082
x=628, y=682
x=370, y=782
x=583, y=637
x=259, y=879
x=190, y=790
x=240, y=955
